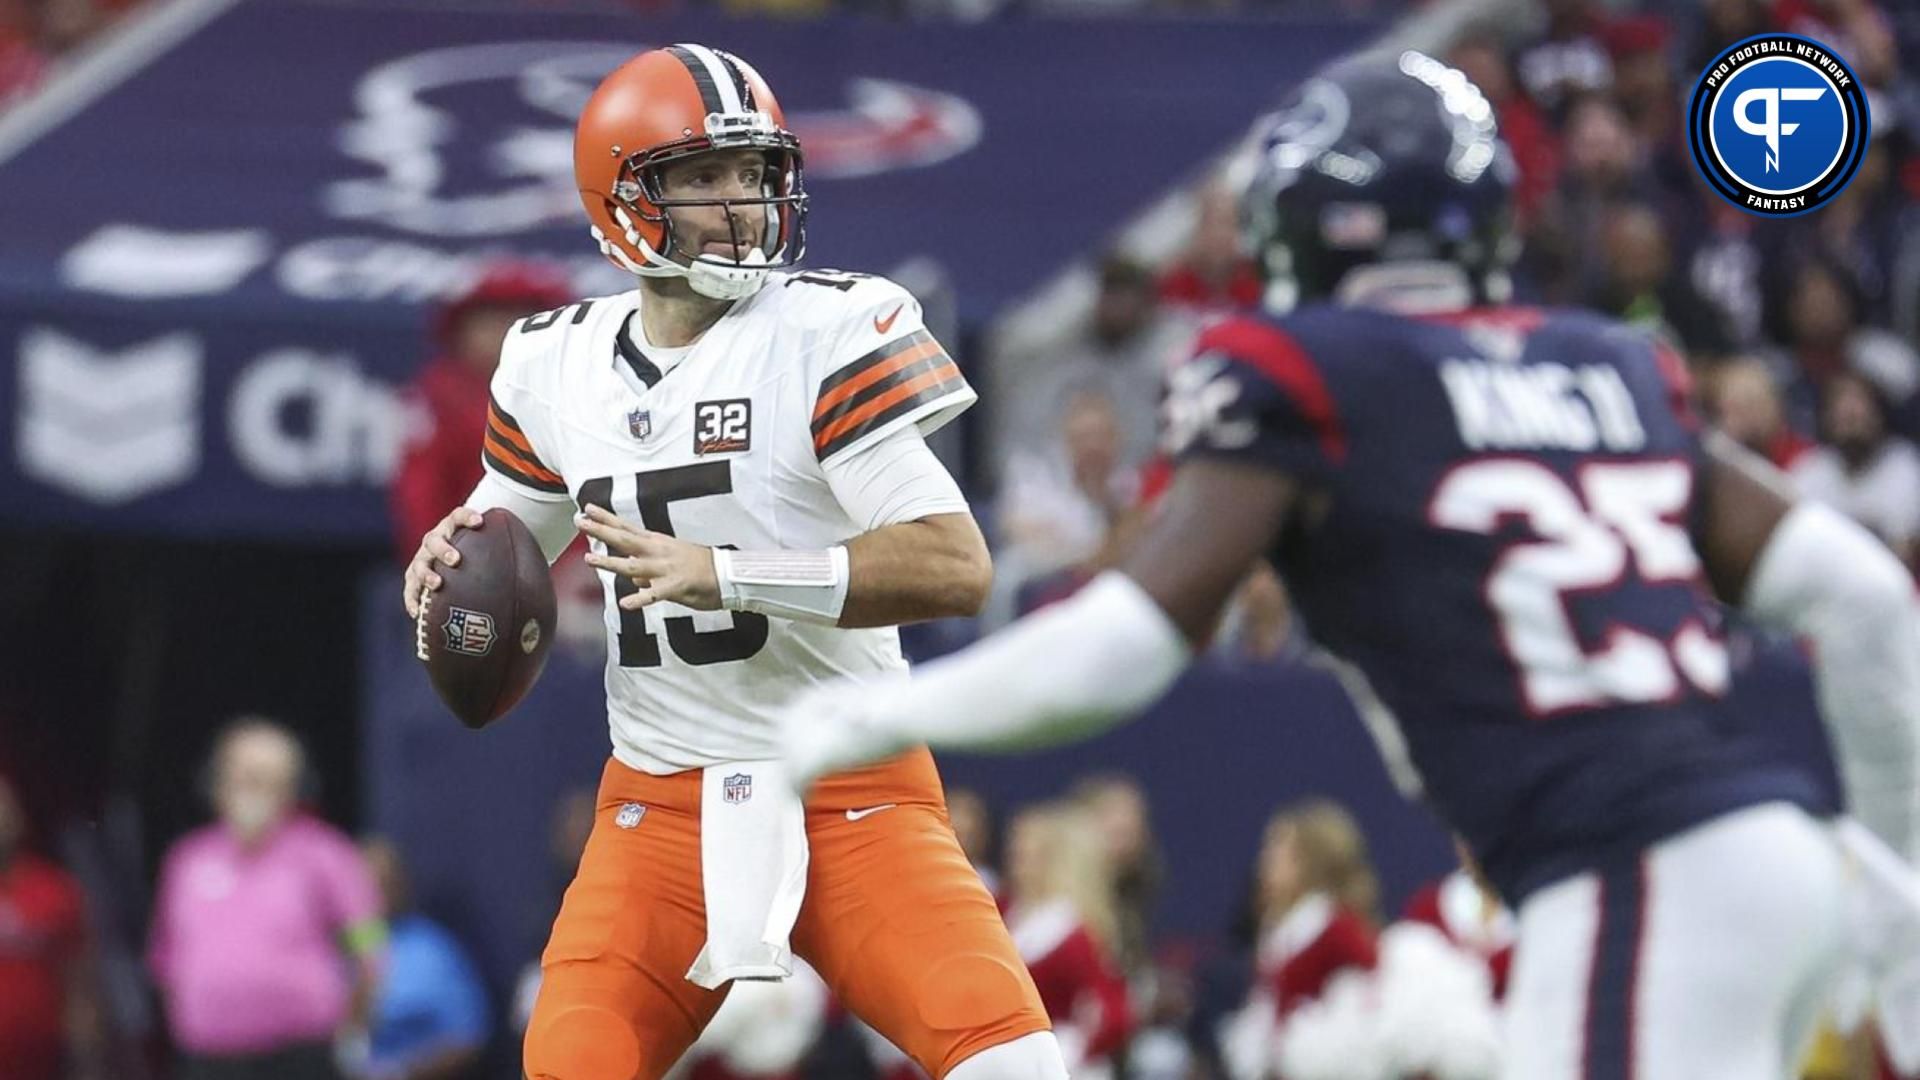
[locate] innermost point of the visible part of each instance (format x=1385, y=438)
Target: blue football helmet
x=1380, y=161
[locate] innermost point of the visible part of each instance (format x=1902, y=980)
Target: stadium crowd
x=1804, y=339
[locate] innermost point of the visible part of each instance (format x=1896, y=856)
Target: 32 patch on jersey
x=722, y=427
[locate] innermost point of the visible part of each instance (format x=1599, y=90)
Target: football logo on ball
x=470, y=632
x=530, y=636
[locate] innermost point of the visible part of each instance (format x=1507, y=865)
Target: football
x=484, y=634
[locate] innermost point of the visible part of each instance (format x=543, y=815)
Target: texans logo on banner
x=491, y=170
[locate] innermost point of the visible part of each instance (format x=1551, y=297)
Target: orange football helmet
x=662, y=106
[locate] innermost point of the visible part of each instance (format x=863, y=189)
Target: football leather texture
x=485, y=632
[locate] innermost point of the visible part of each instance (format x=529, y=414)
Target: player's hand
x=662, y=567
x=436, y=548
x=835, y=727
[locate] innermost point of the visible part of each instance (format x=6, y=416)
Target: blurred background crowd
x=120, y=909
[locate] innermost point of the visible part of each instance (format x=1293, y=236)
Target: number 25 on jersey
x=1584, y=540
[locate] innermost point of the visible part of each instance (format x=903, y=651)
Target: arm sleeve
x=548, y=517
x=892, y=479
x=1825, y=578
x=1067, y=673
x=882, y=372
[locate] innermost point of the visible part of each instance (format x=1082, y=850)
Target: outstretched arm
x=1081, y=666
x=1806, y=569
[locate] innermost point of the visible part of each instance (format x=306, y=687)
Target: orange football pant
x=895, y=920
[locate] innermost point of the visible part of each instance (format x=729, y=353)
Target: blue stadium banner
x=220, y=252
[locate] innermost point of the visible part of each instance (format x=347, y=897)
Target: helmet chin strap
x=712, y=279
x=728, y=281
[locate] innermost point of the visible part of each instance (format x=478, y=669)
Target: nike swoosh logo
x=881, y=325
x=856, y=815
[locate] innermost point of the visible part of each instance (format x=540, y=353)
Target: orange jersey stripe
x=874, y=374
x=523, y=462
x=880, y=404
x=508, y=435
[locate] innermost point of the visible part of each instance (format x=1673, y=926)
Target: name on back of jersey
x=1542, y=406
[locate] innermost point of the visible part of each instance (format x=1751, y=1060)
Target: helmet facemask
x=639, y=197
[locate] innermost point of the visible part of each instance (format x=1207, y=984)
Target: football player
x=743, y=443
x=1504, y=523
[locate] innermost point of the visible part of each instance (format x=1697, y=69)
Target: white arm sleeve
x=1067, y=673
x=550, y=520
x=1827, y=579
x=895, y=479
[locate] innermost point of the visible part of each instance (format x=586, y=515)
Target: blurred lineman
x=253, y=918
x=1504, y=522
x=743, y=443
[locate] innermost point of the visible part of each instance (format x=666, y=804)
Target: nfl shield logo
x=630, y=815
x=737, y=788
x=640, y=423
x=469, y=632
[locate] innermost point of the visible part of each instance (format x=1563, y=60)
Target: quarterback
x=743, y=444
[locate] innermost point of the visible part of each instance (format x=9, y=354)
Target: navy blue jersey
x=1494, y=531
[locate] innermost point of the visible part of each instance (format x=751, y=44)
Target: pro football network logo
x=469, y=632
x=1778, y=124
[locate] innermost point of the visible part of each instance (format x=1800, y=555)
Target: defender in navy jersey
x=1498, y=545
x=1503, y=525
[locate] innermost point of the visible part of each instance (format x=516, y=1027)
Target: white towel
x=753, y=869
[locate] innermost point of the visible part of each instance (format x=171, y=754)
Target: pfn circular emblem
x=1778, y=124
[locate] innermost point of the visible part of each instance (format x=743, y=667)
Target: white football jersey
x=725, y=447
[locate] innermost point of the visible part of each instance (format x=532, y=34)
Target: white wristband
x=810, y=586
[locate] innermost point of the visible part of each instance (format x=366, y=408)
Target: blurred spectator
x=1643, y=84
x=1465, y=907
x=972, y=822
x=1481, y=55
x=567, y=831
x=1569, y=60
x=1061, y=912
x=1058, y=505
x=1726, y=267
x=1124, y=826
x=1861, y=230
x=254, y=916
x=49, y=1012
x=763, y=1030
x=1824, y=337
x=1318, y=900
x=1863, y=470
x=1638, y=284
x=1603, y=165
x=1723, y=22
x=1259, y=622
x=24, y=62
x=431, y=1020
x=1746, y=404
x=1123, y=350
x=1213, y=274
x=441, y=462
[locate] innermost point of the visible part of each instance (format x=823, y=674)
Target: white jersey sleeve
x=516, y=453
x=893, y=478
x=517, y=449
x=881, y=371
